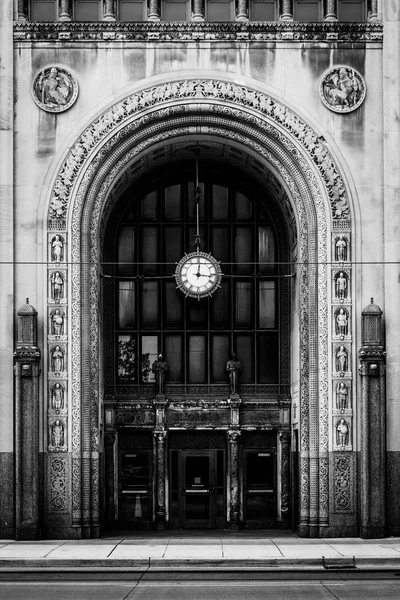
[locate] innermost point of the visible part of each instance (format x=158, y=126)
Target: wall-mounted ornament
x=55, y=89
x=342, y=89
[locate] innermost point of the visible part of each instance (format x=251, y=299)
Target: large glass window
x=44, y=10
x=307, y=10
x=351, y=10
x=196, y=337
x=87, y=10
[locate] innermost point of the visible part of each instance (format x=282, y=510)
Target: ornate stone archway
x=82, y=197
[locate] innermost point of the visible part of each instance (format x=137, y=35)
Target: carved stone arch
x=82, y=198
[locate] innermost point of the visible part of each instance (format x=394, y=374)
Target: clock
x=198, y=274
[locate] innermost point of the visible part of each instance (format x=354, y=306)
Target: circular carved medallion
x=342, y=89
x=54, y=89
x=198, y=274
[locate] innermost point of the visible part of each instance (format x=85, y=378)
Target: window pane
x=243, y=304
x=218, y=10
x=149, y=249
x=243, y=206
x=149, y=355
x=149, y=205
x=197, y=313
x=262, y=11
x=267, y=308
x=220, y=306
x=126, y=304
x=266, y=250
x=131, y=10
x=220, y=243
x=219, y=358
x=173, y=202
x=197, y=363
x=306, y=10
x=126, y=358
x=150, y=304
x=173, y=247
x=174, y=11
x=245, y=353
x=219, y=202
x=43, y=11
x=87, y=10
x=244, y=250
x=351, y=10
x=126, y=250
x=173, y=306
x=173, y=356
x=268, y=358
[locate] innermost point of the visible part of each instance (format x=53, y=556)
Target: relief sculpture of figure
x=160, y=368
x=57, y=249
x=55, y=87
x=233, y=367
x=57, y=397
x=341, y=249
x=342, y=433
x=341, y=395
x=57, y=360
x=341, y=286
x=57, y=285
x=341, y=322
x=58, y=323
x=57, y=434
x=341, y=360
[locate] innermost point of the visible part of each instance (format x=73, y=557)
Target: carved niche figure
x=341, y=249
x=57, y=286
x=160, y=368
x=57, y=360
x=342, y=89
x=341, y=286
x=342, y=394
x=55, y=89
x=341, y=323
x=57, y=434
x=57, y=249
x=57, y=323
x=342, y=433
x=233, y=367
x=341, y=360
x=57, y=397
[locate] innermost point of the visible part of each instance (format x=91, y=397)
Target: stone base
x=230, y=526
x=7, y=523
x=393, y=493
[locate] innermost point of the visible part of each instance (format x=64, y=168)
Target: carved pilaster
x=198, y=13
x=234, y=403
x=330, y=10
x=26, y=372
x=109, y=10
x=373, y=425
x=161, y=515
x=286, y=10
x=65, y=10
x=22, y=10
x=153, y=10
x=372, y=10
x=160, y=404
x=109, y=445
x=284, y=439
x=242, y=10
x=234, y=479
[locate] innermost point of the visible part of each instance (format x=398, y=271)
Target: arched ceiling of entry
x=167, y=155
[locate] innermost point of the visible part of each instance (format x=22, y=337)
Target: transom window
x=196, y=337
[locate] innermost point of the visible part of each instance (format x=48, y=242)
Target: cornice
x=103, y=31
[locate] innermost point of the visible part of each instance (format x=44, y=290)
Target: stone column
x=286, y=10
x=372, y=10
x=153, y=10
x=373, y=425
x=198, y=13
x=22, y=10
x=284, y=438
x=242, y=10
x=65, y=10
x=330, y=10
x=109, y=10
x=161, y=512
x=234, y=481
x=27, y=370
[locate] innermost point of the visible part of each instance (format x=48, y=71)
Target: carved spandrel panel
x=55, y=89
x=259, y=417
x=135, y=417
x=342, y=89
x=194, y=417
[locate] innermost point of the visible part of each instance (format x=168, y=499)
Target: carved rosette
x=342, y=89
x=55, y=89
x=342, y=484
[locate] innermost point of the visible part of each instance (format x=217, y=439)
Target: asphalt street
x=204, y=586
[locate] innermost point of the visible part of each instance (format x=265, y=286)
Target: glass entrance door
x=260, y=487
x=135, y=488
x=197, y=507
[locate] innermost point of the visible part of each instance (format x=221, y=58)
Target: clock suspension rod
x=197, y=199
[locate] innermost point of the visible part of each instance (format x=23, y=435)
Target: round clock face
x=198, y=274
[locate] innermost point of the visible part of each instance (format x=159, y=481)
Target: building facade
x=199, y=266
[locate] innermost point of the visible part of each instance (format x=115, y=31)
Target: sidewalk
x=180, y=551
